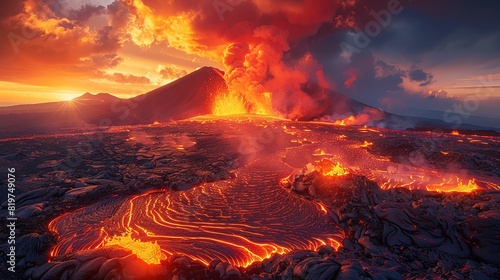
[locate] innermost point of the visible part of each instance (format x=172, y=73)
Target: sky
x=407, y=57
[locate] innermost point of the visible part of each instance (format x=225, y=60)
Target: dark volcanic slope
x=189, y=96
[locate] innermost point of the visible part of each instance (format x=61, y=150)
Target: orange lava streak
x=151, y=252
x=335, y=244
x=320, y=152
x=431, y=181
x=322, y=208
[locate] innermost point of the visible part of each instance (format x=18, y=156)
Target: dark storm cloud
x=419, y=75
x=456, y=30
x=45, y=39
x=106, y=40
x=456, y=35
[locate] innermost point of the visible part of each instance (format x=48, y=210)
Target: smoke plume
x=250, y=38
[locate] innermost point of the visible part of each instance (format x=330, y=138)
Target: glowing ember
x=454, y=132
x=156, y=123
x=328, y=168
x=366, y=144
x=150, y=252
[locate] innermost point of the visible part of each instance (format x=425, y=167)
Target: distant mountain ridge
x=96, y=97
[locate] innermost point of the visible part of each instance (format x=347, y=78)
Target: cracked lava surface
x=249, y=217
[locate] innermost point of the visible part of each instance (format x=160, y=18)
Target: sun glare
x=69, y=96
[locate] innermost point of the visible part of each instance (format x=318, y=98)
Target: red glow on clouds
x=351, y=75
x=249, y=38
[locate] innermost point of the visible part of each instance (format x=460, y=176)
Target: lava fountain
x=227, y=104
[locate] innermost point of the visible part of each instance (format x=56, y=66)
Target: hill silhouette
x=186, y=97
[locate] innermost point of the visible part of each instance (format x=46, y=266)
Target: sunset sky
x=428, y=55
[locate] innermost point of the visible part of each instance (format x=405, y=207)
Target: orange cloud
x=170, y=72
x=250, y=39
x=42, y=45
x=127, y=78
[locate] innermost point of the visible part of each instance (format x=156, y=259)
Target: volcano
x=157, y=187
x=189, y=96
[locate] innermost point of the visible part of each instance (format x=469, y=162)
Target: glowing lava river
x=265, y=195
x=239, y=221
x=246, y=218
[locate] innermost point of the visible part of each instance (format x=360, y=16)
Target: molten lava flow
x=430, y=180
x=455, y=132
x=248, y=218
x=456, y=184
x=150, y=252
x=328, y=168
x=239, y=221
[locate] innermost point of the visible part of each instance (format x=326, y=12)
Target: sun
x=68, y=97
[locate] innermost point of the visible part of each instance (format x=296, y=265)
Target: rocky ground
x=390, y=233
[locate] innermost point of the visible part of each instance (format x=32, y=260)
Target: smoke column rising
x=251, y=40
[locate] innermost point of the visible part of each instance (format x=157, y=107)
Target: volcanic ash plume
x=247, y=67
x=262, y=74
x=257, y=75
x=253, y=39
